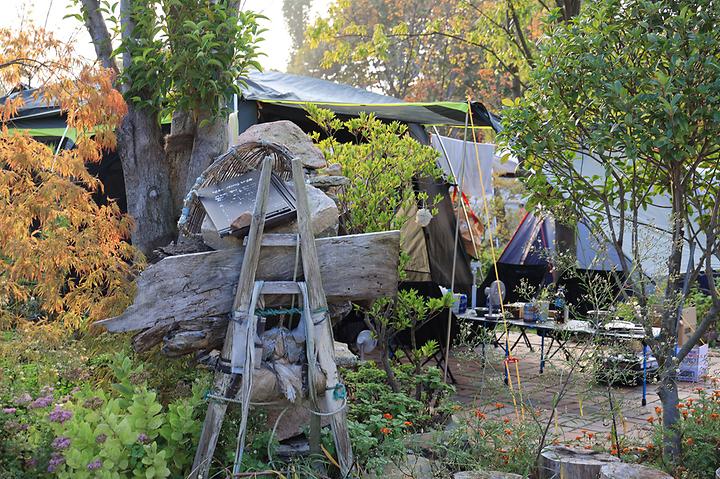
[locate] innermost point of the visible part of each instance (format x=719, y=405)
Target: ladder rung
x=277, y=239
x=280, y=287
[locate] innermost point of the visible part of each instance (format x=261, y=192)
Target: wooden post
x=323, y=331
x=228, y=384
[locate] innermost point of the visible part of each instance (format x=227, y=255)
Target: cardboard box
x=688, y=324
x=695, y=365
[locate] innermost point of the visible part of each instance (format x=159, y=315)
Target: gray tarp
x=294, y=91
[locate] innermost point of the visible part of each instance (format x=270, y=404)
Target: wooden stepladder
x=242, y=349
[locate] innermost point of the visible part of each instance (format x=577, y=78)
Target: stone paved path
x=480, y=386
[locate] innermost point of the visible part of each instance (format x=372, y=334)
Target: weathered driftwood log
x=631, y=471
x=563, y=461
x=202, y=285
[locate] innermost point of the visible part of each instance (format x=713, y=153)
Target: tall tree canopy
x=425, y=50
x=635, y=87
x=62, y=256
x=178, y=56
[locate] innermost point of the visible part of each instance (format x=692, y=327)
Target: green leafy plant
x=387, y=317
x=190, y=55
x=381, y=163
x=380, y=419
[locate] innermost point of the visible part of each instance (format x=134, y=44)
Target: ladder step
x=278, y=239
x=280, y=287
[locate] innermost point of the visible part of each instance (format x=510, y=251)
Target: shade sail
x=294, y=91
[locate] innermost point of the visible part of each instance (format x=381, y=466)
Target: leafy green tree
x=634, y=87
x=426, y=50
x=178, y=56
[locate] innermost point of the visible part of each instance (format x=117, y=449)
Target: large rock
x=323, y=213
x=621, y=470
x=414, y=467
x=486, y=475
x=289, y=135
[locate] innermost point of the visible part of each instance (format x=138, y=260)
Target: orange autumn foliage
x=62, y=255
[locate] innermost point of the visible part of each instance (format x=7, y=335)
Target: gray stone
x=326, y=181
x=343, y=356
x=414, y=467
x=333, y=169
x=486, y=475
x=289, y=135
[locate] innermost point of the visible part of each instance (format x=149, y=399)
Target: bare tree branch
x=95, y=24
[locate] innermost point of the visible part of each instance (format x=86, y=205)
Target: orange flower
x=387, y=416
x=479, y=414
x=658, y=410
x=680, y=405
x=613, y=450
x=685, y=414
x=689, y=401
x=588, y=446
x=577, y=438
x=626, y=450
x=690, y=441
x=385, y=430
x=650, y=446
x=499, y=405
x=590, y=435
x=651, y=420
x=506, y=420
x=508, y=432
x=640, y=449
x=407, y=423
x=714, y=415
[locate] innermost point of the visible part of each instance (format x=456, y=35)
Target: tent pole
x=455, y=248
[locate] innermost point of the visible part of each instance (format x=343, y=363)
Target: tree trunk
x=178, y=148
x=147, y=179
x=210, y=142
x=669, y=334
x=668, y=393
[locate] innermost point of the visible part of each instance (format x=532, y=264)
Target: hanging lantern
x=423, y=217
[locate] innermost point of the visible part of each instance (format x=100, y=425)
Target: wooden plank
x=195, y=286
x=280, y=287
x=226, y=384
x=324, y=343
x=277, y=239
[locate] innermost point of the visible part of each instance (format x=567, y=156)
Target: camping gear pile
x=261, y=295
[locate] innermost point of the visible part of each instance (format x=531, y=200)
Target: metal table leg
x=644, y=388
x=542, y=352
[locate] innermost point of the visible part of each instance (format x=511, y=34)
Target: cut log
x=631, y=471
x=563, y=461
x=196, y=286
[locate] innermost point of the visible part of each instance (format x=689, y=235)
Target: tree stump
x=621, y=470
x=486, y=475
x=568, y=462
